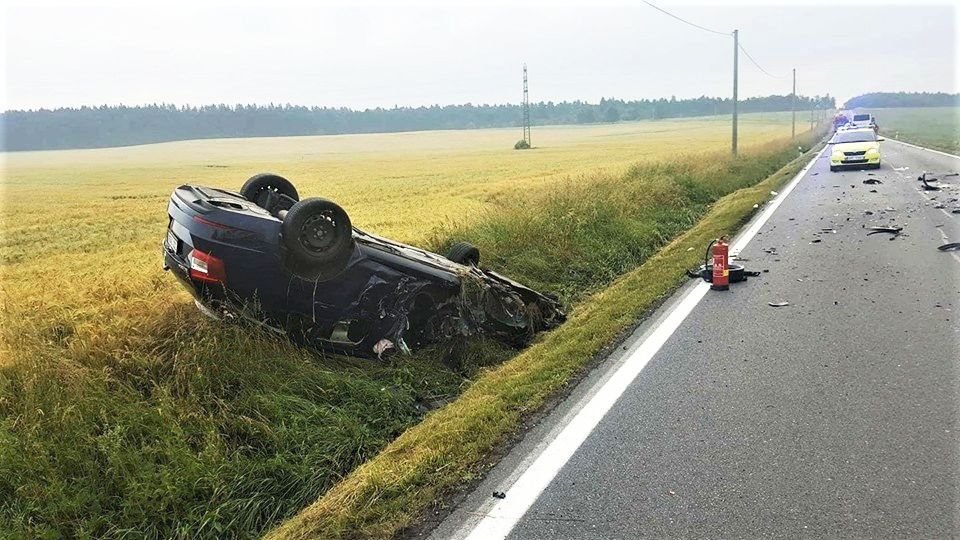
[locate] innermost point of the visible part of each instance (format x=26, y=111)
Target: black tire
x=464, y=253
x=736, y=275
x=256, y=187
x=317, y=239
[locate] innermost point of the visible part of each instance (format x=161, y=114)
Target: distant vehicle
x=855, y=148
x=840, y=120
x=864, y=120
x=299, y=267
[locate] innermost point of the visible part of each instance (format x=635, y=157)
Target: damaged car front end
x=300, y=268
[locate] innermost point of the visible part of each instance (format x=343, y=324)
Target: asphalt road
x=834, y=416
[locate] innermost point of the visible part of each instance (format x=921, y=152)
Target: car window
x=854, y=136
x=861, y=117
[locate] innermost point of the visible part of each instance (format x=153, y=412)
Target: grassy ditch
x=123, y=413
x=563, y=245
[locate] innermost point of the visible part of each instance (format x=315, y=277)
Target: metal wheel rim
x=318, y=233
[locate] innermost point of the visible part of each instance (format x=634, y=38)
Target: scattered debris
x=816, y=241
x=873, y=191
x=381, y=347
x=952, y=246
x=499, y=495
x=926, y=182
x=872, y=181
x=955, y=211
x=778, y=304
x=829, y=230
x=890, y=230
x=901, y=169
x=774, y=193
x=868, y=212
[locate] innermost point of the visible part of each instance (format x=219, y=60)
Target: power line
x=758, y=65
x=651, y=4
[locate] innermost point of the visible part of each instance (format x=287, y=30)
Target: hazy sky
x=366, y=54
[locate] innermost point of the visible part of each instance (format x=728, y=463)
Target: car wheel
x=259, y=188
x=464, y=253
x=317, y=239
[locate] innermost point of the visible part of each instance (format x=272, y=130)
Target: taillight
x=206, y=267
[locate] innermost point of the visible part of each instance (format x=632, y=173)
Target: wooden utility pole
x=793, y=105
x=736, y=48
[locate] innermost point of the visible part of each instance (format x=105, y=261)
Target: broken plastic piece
x=778, y=304
x=952, y=246
x=872, y=181
x=499, y=495
x=890, y=230
x=381, y=347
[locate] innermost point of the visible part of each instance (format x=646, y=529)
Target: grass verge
x=389, y=492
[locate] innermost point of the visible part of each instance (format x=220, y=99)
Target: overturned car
x=299, y=267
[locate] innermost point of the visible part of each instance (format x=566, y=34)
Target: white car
x=863, y=120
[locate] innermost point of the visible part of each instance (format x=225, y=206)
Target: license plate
x=854, y=158
x=171, y=241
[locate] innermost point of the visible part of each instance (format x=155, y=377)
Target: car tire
x=256, y=187
x=317, y=239
x=464, y=253
x=736, y=273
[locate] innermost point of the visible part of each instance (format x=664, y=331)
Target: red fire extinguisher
x=721, y=265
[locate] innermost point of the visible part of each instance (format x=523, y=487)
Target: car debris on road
x=890, y=230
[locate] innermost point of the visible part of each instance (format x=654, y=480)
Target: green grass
x=125, y=413
x=933, y=127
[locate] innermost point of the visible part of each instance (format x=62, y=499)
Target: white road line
x=922, y=148
x=504, y=515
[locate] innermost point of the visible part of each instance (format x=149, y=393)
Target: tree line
x=879, y=100
x=122, y=125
